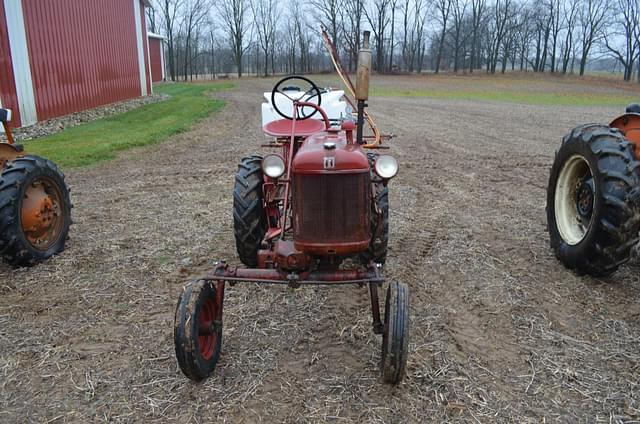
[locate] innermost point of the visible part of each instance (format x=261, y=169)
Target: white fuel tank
x=332, y=103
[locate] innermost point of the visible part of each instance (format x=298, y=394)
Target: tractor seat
x=633, y=108
x=304, y=128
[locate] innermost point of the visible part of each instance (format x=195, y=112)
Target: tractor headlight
x=273, y=166
x=386, y=166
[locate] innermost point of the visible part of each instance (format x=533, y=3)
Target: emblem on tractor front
x=329, y=162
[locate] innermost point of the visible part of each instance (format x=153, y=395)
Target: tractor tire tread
x=615, y=230
x=249, y=219
x=14, y=247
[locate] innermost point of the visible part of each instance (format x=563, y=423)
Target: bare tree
x=444, y=10
x=169, y=10
x=234, y=18
x=502, y=13
x=270, y=36
x=569, y=23
x=392, y=45
x=478, y=8
x=625, y=29
x=151, y=18
x=379, y=20
x=328, y=12
x=266, y=14
x=459, y=35
x=413, y=25
x=592, y=16
x=352, y=26
x=196, y=11
x=554, y=18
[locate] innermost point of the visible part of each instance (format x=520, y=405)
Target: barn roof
x=154, y=35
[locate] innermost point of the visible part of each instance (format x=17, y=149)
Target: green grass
x=524, y=97
x=102, y=139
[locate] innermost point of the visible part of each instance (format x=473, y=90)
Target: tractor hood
x=329, y=153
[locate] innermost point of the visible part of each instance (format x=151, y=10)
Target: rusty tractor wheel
x=592, y=198
x=395, y=336
x=35, y=210
x=197, y=330
x=249, y=219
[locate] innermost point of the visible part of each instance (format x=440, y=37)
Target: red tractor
x=35, y=208
x=593, y=197
x=315, y=213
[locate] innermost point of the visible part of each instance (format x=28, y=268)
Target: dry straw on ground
x=500, y=331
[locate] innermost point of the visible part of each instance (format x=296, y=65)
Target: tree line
x=265, y=37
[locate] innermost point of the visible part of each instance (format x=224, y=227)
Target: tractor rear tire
x=35, y=210
x=377, y=251
x=592, y=197
x=395, y=336
x=197, y=338
x=249, y=219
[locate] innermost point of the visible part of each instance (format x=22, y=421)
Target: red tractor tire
x=197, y=345
x=249, y=219
x=592, y=200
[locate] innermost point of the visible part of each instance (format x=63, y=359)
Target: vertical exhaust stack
x=362, y=83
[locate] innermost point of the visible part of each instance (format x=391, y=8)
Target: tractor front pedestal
x=198, y=319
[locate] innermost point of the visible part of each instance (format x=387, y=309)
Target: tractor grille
x=331, y=208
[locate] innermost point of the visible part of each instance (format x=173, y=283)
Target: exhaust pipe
x=362, y=84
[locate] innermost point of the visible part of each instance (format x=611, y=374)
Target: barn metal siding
x=155, y=54
x=83, y=53
x=8, y=93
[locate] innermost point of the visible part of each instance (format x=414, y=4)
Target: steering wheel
x=313, y=91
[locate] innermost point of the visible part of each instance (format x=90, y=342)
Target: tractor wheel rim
x=42, y=213
x=207, y=336
x=574, y=199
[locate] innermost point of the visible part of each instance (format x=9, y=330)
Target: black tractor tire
x=197, y=353
x=16, y=179
x=395, y=335
x=377, y=251
x=594, y=237
x=249, y=219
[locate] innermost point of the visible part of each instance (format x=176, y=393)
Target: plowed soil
x=500, y=331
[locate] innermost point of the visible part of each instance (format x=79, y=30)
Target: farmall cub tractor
x=35, y=208
x=299, y=214
x=593, y=196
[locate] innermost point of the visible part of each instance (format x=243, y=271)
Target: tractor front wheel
x=197, y=330
x=395, y=336
x=35, y=210
x=592, y=215
x=249, y=219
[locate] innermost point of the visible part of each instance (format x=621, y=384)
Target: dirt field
x=501, y=332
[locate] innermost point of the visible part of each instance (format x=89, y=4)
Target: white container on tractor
x=332, y=102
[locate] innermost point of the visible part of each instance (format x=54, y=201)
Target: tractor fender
x=629, y=125
x=9, y=152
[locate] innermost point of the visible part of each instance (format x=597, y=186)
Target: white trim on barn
x=20, y=61
x=143, y=73
x=164, y=76
x=148, y=56
x=154, y=35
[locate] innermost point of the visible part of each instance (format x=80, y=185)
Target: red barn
x=156, y=56
x=62, y=56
